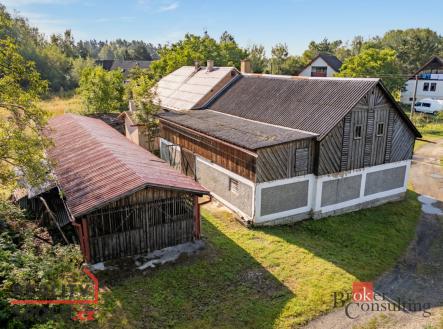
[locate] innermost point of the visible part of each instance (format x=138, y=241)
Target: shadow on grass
x=222, y=287
x=364, y=243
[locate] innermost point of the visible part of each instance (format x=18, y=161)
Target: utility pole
x=414, y=97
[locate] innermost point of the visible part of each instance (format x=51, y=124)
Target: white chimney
x=245, y=66
x=210, y=65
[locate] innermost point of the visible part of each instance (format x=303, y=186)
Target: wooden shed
x=121, y=199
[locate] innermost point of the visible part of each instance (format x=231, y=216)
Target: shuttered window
x=301, y=161
x=357, y=131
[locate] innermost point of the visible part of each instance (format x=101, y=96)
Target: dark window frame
x=358, y=131
x=426, y=86
x=433, y=86
x=380, y=128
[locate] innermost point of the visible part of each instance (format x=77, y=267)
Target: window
x=433, y=86
x=380, y=128
x=418, y=104
x=357, y=131
x=301, y=161
x=426, y=104
x=233, y=185
x=426, y=86
x=319, y=71
x=411, y=99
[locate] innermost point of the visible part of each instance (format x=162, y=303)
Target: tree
x=257, y=56
x=106, y=53
x=196, y=48
x=21, y=131
x=324, y=46
x=374, y=63
x=78, y=65
x=101, y=91
x=414, y=47
x=279, y=55
x=144, y=94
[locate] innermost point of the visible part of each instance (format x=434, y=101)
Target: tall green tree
x=414, y=47
x=279, y=54
x=101, y=91
x=257, y=56
x=21, y=129
x=374, y=63
x=197, y=48
x=324, y=46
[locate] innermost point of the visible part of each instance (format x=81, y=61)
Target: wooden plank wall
x=232, y=159
x=280, y=162
x=340, y=146
x=126, y=228
x=403, y=140
x=330, y=149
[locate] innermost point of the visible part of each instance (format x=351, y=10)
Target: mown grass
x=276, y=277
x=430, y=126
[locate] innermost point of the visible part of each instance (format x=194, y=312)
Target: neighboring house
x=323, y=65
x=280, y=149
x=188, y=88
x=429, y=84
x=121, y=199
x=124, y=65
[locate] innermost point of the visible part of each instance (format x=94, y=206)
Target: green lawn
x=276, y=277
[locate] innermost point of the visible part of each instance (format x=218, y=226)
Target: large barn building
x=278, y=149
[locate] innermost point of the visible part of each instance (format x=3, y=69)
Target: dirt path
x=418, y=277
x=426, y=175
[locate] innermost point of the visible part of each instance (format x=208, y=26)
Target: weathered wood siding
x=233, y=159
x=341, y=150
x=147, y=220
x=330, y=149
x=285, y=160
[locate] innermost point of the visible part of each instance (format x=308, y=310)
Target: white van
x=427, y=105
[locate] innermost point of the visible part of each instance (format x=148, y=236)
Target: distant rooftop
x=125, y=65
x=187, y=88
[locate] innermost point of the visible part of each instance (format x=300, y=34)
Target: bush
x=28, y=269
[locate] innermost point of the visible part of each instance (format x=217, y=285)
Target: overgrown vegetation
x=276, y=277
x=33, y=269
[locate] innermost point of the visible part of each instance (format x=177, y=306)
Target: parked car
x=427, y=105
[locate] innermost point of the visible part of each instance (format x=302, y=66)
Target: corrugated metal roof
x=184, y=88
x=235, y=130
x=95, y=164
x=309, y=104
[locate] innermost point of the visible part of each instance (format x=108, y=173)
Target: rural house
x=429, y=83
x=278, y=149
x=323, y=65
x=121, y=199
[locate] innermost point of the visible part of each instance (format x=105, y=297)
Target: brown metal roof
x=95, y=164
x=235, y=130
x=310, y=104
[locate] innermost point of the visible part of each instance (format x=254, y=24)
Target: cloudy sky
x=295, y=22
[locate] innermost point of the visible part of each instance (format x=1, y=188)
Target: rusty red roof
x=96, y=165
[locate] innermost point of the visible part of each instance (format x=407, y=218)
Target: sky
x=294, y=22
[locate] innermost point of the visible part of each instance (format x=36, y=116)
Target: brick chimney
x=245, y=66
